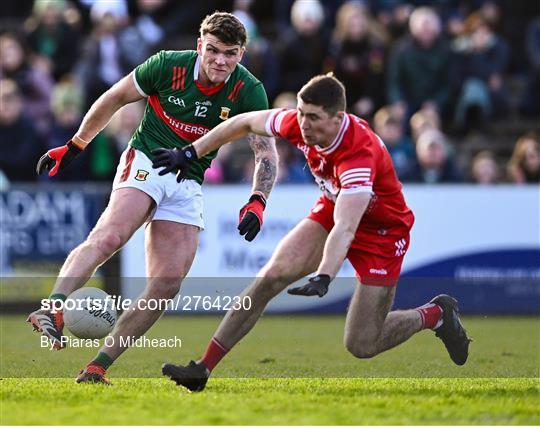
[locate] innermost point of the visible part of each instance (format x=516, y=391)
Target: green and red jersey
x=180, y=110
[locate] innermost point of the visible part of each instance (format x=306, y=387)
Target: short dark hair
x=325, y=91
x=226, y=27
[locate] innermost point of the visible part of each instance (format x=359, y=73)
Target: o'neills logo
x=380, y=271
x=105, y=315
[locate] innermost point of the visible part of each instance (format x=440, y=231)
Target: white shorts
x=175, y=201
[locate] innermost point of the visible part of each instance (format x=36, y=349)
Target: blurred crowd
x=452, y=87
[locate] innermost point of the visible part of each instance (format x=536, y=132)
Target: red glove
x=251, y=217
x=58, y=158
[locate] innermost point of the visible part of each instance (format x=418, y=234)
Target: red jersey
x=356, y=161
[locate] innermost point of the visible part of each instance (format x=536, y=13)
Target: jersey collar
x=339, y=137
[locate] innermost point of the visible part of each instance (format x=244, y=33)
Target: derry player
x=188, y=93
x=362, y=216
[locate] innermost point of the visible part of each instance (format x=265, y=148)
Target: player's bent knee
x=164, y=288
x=361, y=350
x=273, y=280
x=106, y=243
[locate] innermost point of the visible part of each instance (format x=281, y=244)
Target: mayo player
x=188, y=93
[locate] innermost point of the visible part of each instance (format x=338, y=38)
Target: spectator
x=434, y=164
x=177, y=20
x=491, y=13
x=388, y=125
x=524, y=165
x=530, y=105
x=50, y=36
x=394, y=18
x=259, y=56
x=455, y=25
x=20, y=144
x=286, y=100
x=139, y=40
x=419, y=70
x=34, y=82
x=423, y=120
x=482, y=59
x=104, y=61
x=282, y=15
x=484, y=169
x=302, y=49
x=116, y=8
x=357, y=55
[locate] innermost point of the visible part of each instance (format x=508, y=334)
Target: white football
x=89, y=313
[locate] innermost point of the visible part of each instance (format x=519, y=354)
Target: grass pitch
x=289, y=370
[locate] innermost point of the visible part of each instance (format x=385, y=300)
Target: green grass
x=290, y=370
x=274, y=401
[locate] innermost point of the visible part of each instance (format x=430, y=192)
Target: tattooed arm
x=266, y=163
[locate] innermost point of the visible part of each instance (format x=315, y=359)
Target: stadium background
x=467, y=151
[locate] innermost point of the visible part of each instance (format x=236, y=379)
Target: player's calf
x=271, y=281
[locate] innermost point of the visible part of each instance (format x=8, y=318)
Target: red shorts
x=375, y=257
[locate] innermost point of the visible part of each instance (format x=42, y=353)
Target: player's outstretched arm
x=100, y=113
x=231, y=130
x=347, y=214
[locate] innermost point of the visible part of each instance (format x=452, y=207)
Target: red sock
x=95, y=368
x=430, y=314
x=213, y=354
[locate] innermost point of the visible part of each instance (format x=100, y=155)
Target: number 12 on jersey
x=200, y=111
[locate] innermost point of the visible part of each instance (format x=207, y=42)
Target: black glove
x=317, y=285
x=250, y=219
x=171, y=159
x=57, y=159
